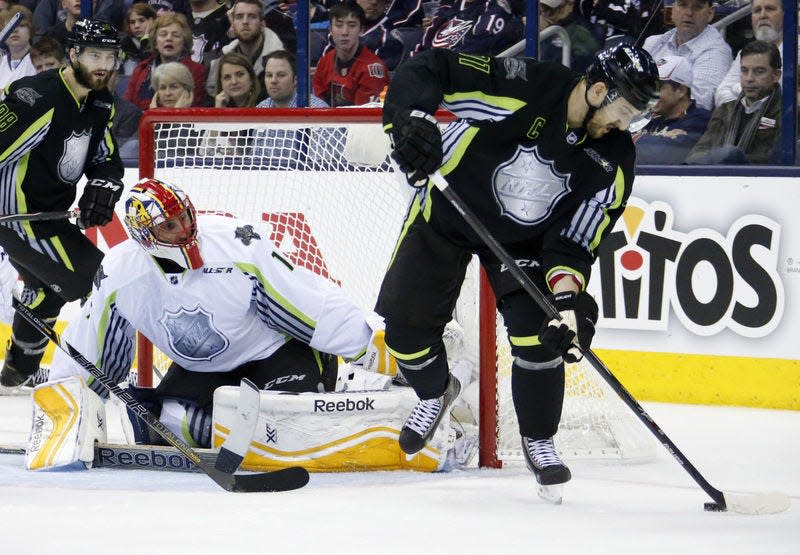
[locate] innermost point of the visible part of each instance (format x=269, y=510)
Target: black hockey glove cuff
x=97, y=202
x=417, y=145
x=576, y=327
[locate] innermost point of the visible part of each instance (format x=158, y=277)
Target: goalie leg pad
x=332, y=432
x=68, y=418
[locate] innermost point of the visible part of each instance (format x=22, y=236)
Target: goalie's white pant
x=332, y=432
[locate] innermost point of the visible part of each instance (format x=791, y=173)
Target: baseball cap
x=165, y=5
x=675, y=69
x=551, y=3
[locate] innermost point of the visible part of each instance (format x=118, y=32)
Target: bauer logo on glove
x=572, y=334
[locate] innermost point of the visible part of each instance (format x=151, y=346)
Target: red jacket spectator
x=141, y=93
x=360, y=81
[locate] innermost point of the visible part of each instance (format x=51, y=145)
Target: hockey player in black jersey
x=55, y=127
x=542, y=155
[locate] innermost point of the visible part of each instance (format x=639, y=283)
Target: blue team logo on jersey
x=528, y=187
x=192, y=334
x=76, y=148
x=451, y=33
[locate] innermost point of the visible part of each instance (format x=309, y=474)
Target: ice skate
x=425, y=418
x=550, y=471
x=17, y=380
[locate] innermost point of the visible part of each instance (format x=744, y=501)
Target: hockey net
x=336, y=208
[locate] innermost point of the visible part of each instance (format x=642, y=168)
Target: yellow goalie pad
x=332, y=432
x=68, y=418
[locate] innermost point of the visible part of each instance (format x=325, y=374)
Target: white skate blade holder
x=552, y=494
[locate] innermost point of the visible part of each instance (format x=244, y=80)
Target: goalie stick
x=279, y=480
x=759, y=503
x=136, y=457
x=41, y=216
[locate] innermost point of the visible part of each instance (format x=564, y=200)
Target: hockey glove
x=97, y=202
x=576, y=327
x=417, y=145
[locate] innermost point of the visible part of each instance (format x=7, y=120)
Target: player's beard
x=86, y=79
x=594, y=128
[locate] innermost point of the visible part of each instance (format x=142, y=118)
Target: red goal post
x=336, y=208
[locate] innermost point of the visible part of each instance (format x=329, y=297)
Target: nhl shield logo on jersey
x=76, y=147
x=528, y=187
x=192, y=334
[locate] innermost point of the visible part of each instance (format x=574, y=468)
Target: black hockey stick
x=41, y=216
x=763, y=503
x=280, y=480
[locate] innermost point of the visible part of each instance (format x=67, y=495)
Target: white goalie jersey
x=243, y=304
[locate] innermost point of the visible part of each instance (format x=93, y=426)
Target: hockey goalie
x=217, y=297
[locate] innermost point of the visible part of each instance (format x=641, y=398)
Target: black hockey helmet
x=90, y=32
x=628, y=71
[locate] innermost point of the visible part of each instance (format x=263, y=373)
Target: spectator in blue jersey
x=405, y=13
x=623, y=20
x=678, y=121
x=377, y=35
x=473, y=27
x=582, y=38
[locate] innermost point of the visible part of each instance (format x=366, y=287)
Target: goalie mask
x=162, y=219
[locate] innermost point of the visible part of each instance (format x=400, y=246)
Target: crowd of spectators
x=717, y=104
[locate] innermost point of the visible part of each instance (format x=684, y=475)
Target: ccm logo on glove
x=97, y=202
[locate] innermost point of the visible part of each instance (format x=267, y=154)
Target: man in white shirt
x=702, y=46
x=767, y=21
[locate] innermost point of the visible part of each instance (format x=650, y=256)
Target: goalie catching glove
x=417, y=144
x=574, y=332
x=97, y=202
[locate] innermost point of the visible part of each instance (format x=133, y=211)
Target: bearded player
x=543, y=157
x=55, y=127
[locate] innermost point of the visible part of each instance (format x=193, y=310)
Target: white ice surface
x=615, y=509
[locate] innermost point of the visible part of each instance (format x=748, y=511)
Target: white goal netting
x=336, y=207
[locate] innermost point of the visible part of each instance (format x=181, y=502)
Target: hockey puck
x=713, y=507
